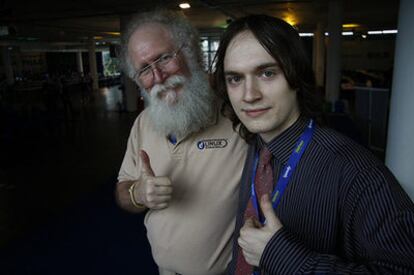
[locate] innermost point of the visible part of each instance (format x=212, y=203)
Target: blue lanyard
x=287, y=171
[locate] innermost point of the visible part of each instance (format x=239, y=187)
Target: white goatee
x=181, y=113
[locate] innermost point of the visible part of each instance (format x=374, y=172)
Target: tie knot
x=265, y=156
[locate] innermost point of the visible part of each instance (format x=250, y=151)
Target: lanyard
x=287, y=171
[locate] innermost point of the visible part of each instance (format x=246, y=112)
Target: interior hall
x=66, y=111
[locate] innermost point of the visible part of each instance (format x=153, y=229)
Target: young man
x=177, y=164
x=334, y=207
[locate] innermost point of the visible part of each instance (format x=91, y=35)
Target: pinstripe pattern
x=343, y=211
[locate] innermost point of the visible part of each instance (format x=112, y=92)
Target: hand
x=152, y=191
x=254, y=236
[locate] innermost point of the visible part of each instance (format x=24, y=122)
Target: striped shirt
x=342, y=212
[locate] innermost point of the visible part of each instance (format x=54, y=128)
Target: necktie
x=263, y=185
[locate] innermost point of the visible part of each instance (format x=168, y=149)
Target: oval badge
x=212, y=143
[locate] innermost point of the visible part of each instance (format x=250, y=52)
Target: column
x=92, y=65
x=7, y=64
x=79, y=62
x=400, y=149
x=131, y=92
x=319, y=55
x=18, y=70
x=333, y=66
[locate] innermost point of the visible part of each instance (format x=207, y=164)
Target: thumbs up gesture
x=254, y=236
x=152, y=191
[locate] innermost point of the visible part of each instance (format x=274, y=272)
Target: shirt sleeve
x=130, y=163
x=377, y=234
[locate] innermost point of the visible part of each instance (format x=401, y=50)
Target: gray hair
x=182, y=33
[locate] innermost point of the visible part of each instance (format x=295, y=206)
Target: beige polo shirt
x=194, y=234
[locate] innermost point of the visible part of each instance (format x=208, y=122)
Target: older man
x=183, y=162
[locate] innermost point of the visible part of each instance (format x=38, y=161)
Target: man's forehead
x=245, y=52
x=148, y=42
x=151, y=31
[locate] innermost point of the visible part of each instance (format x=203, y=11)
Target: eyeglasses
x=164, y=63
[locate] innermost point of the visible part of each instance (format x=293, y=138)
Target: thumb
x=249, y=223
x=145, y=164
x=267, y=210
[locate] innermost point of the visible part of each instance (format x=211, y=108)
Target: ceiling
x=72, y=22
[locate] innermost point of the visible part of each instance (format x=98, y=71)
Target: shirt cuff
x=284, y=254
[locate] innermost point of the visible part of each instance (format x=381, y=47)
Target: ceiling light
x=374, y=32
x=302, y=34
x=113, y=33
x=389, y=31
x=184, y=5
x=383, y=32
x=290, y=19
x=350, y=25
x=343, y=33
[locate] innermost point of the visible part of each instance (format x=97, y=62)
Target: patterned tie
x=263, y=185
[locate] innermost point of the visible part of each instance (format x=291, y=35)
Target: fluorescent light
x=389, y=31
x=305, y=34
x=343, y=33
x=184, y=5
x=374, y=32
x=383, y=32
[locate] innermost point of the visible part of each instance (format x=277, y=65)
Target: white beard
x=186, y=112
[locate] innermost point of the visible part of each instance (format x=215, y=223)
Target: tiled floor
x=49, y=159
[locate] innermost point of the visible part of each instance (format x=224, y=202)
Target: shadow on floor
x=93, y=236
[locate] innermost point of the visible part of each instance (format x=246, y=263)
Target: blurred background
x=66, y=110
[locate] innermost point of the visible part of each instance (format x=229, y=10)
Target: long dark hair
x=283, y=43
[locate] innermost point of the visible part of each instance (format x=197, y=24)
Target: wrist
x=132, y=197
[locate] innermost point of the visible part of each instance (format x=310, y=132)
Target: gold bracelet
x=132, y=197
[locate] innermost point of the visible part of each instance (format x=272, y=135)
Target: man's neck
x=270, y=135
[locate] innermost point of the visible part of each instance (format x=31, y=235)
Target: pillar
x=319, y=55
x=131, y=92
x=92, y=65
x=79, y=62
x=333, y=65
x=7, y=64
x=400, y=149
x=18, y=69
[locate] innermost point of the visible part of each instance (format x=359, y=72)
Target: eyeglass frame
x=157, y=63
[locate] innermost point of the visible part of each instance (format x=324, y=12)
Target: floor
x=58, y=167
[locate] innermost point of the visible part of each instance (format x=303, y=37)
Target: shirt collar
x=282, y=146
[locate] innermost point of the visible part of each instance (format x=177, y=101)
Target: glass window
x=209, y=46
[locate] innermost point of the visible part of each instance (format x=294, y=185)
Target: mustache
x=170, y=83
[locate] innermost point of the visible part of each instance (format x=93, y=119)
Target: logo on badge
x=212, y=143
